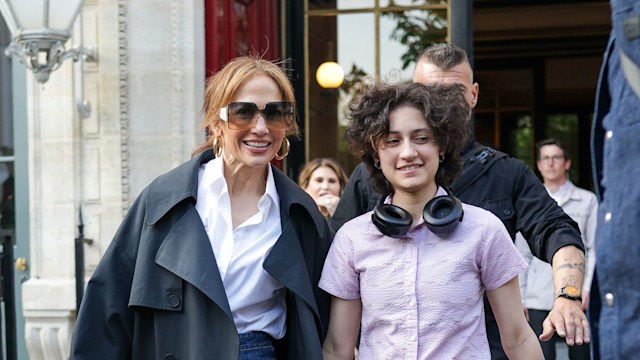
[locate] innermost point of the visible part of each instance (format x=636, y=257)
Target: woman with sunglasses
x=220, y=257
x=412, y=273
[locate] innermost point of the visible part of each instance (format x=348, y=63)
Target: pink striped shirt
x=422, y=295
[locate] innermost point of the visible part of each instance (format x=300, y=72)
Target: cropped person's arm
x=344, y=324
x=518, y=339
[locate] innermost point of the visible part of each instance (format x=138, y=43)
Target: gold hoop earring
x=285, y=150
x=217, y=146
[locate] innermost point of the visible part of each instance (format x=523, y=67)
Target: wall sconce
x=330, y=75
x=39, y=32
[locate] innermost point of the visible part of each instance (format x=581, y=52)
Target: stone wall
x=145, y=92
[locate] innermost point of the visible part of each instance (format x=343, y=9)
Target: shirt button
x=412, y=337
x=507, y=211
x=607, y=217
x=609, y=135
x=608, y=298
x=412, y=303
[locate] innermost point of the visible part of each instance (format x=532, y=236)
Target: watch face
x=572, y=291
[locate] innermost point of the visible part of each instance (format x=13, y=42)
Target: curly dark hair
x=446, y=113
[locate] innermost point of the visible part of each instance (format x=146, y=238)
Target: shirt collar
x=565, y=193
x=374, y=230
x=440, y=191
x=213, y=177
x=560, y=194
x=181, y=183
x=271, y=191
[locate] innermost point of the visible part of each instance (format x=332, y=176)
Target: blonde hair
x=313, y=165
x=222, y=86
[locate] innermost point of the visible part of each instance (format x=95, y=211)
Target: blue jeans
x=256, y=345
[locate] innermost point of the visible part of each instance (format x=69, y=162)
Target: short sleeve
x=500, y=260
x=339, y=276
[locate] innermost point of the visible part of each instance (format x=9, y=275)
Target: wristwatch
x=571, y=293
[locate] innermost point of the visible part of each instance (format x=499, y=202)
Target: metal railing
x=9, y=339
x=79, y=253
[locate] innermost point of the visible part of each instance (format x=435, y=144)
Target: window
x=371, y=40
x=7, y=198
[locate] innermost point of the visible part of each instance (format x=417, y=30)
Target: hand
x=328, y=202
x=568, y=320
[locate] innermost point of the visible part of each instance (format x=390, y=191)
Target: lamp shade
x=330, y=75
x=28, y=16
x=39, y=30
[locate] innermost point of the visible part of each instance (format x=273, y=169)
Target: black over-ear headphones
x=442, y=214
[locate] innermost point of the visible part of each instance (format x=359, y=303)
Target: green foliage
x=355, y=80
x=523, y=140
x=417, y=31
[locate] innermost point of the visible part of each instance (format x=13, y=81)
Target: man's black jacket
x=508, y=188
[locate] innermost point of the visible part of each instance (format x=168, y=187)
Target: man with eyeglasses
x=536, y=283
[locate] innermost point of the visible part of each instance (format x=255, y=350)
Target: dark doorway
x=537, y=63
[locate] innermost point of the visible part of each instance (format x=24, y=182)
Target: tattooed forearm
x=579, y=266
x=570, y=280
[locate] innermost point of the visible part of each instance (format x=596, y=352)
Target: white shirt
x=562, y=193
x=256, y=299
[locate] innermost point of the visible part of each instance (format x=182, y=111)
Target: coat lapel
x=286, y=264
x=571, y=194
x=286, y=261
x=187, y=253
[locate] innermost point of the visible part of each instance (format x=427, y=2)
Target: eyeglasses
x=554, y=158
x=243, y=115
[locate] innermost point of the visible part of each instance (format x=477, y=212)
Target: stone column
x=54, y=180
x=145, y=93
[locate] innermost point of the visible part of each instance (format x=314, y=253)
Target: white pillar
x=49, y=295
x=145, y=92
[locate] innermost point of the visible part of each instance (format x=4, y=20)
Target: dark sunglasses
x=243, y=115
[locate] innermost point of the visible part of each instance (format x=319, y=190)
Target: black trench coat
x=157, y=292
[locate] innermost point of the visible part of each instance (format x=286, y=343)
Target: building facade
x=145, y=92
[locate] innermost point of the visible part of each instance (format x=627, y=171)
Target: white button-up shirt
x=256, y=299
